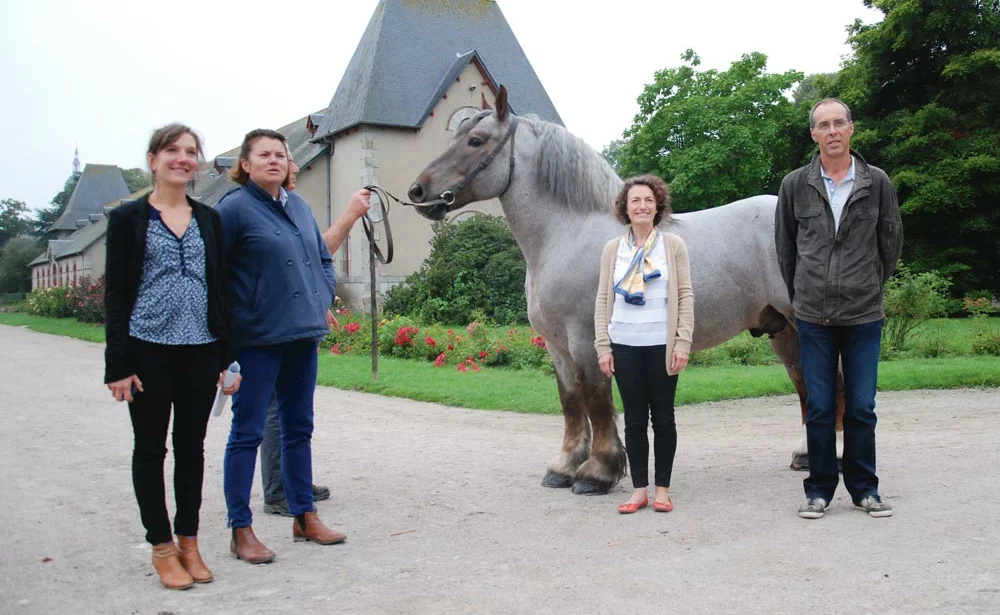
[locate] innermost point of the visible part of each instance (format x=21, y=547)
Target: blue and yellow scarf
x=632, y=286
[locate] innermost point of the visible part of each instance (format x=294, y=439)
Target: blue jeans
x=270, y=456
x=857, y=349
x=289, y=371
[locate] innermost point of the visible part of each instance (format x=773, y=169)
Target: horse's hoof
x=800, y=462
x=590, y=487
x=557, y=481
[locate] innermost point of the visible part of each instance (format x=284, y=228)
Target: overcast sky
x=103, y=74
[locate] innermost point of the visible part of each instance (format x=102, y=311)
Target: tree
x=922, y=83
x=136, y=179
x=612, y=152
x=13, y=221
x=48, y=216
x=714, y=136
x=15, y=277
x=473, y=265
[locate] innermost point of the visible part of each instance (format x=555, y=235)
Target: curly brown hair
x=660, y=192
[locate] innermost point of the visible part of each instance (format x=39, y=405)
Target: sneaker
x=277, y=508
x=320, y=493
x=874, y=506
x=813, y=508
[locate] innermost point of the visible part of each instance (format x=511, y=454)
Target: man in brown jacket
x=838, y=235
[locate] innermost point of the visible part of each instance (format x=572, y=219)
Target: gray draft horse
x=556, y=193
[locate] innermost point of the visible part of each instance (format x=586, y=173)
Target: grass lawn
x=69, y=327
x=535, y=392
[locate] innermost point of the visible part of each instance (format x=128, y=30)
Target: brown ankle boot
x=246, y=547
x=187, y=550
x=307, y=526
x=168, y=566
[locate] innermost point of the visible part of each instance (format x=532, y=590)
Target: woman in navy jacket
x=282, y=284
x=168, y=340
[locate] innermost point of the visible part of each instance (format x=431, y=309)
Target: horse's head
x=475, y=166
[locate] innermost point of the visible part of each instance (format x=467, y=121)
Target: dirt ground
x=445, y=513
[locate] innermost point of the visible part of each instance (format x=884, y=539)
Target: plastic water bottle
x=220, y=398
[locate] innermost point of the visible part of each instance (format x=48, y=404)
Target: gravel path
x=445, y=513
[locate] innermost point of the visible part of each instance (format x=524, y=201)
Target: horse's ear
x=502, y=109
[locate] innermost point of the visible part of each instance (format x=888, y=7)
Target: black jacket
x=837, y=277
x=126, y=252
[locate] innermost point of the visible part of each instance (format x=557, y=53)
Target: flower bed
x=467, y=349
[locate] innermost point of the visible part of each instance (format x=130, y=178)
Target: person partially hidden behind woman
x=643, y=324
x=168, y=342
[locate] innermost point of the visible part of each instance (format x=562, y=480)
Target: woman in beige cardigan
x=643, y=323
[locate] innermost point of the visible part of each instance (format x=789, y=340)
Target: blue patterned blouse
x=172, y=305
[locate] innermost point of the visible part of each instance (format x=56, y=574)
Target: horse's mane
x=571, y=171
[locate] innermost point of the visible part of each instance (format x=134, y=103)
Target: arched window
x=74, y=273
x=460, y=115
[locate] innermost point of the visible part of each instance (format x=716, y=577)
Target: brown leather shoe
x=187, y=550
x=246, y=547
x=168, y=566
x=307, y=526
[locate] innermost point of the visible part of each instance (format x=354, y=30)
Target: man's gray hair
x=812, y=118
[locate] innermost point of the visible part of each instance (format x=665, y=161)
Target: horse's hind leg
x=576, y=434
x=785, y=344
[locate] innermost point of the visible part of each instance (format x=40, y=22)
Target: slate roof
x=407, y=53
x=99, y=184
x=85, y=236
x=212, y=181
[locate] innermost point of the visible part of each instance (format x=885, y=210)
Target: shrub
x=52, y=302
x=86, y=299
x=987, y=342
x=934, y=343
x=911, y=298
x=473, y=265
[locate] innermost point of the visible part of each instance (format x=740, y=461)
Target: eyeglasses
x=825, y=126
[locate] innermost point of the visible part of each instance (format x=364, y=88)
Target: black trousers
x=647, y=391
x=185, y=378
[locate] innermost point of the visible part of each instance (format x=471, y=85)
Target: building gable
x=401, y=66
x=99, y=184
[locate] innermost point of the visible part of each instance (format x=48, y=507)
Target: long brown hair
x=165, y=136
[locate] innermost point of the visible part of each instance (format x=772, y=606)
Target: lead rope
x=375, y=252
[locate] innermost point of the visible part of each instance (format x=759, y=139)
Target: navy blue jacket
x=280, y=270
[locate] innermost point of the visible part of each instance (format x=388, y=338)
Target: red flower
x=439, y=361
x=462, y=368
x=335, y=349
x=430, y=341
x=451, y=333
x=538, y=341
x=475, y=368
x=451, y=347
x=483, y=354
x=351, y=327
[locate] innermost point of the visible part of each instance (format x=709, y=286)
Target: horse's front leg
x=606, y=465
x=576, y=434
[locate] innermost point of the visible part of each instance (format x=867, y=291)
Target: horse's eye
x=475, y=142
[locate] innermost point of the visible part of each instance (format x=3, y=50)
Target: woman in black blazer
x=168, y=342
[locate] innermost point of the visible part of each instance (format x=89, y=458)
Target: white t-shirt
x=641, y=325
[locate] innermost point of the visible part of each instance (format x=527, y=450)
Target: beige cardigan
x=680, y=298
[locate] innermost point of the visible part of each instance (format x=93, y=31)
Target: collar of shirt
x=830, y=185
x=283, y=194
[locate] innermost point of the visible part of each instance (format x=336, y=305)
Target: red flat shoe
x=663, y=506
x=630, y=507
